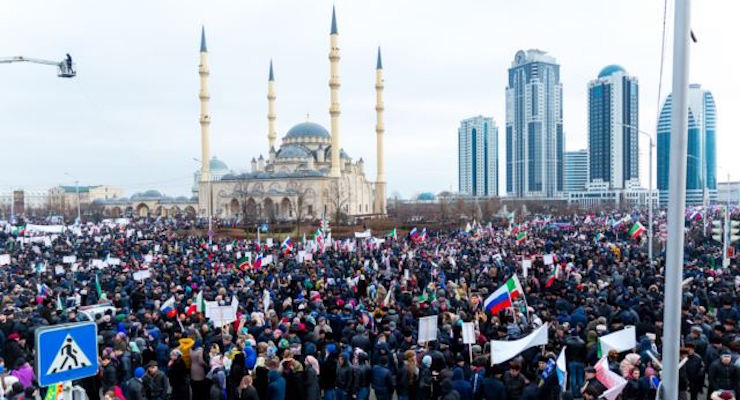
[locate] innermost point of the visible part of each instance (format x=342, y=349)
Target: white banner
x=143, y=274
x=69, y=259
x=268, y=242
x=45, y=228
x=623, y=340
x=113, y=261
x=148, y=258
x=468, y=332
x=363, y=235
x=59, y=270
x=4, y=259
x=504, y=350
x=548, y=259
x=427, y=329
x=526, y=266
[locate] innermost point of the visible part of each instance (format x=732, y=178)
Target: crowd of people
x=337, y=319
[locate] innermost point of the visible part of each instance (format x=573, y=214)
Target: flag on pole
x=168, y=307
x=521, y=237
x=318, y=236
x=53, y=392
x=613, y=382
x=636, y=230
x=504, y=350
x=393, y=234
x=286, y=247
x=514, y=287
x=598, y=237
x=258, y=262
x=561, y=369
x=97, y=287
x=553, y=275
x=622, y=340
x=245, y=262
x=414, y=234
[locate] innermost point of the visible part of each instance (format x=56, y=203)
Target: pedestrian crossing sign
x=66, y=352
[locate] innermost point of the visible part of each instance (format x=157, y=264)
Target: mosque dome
x=307, y=129
x=610, y=70
x=149, y=194
x=217, y=165
x=293, y=151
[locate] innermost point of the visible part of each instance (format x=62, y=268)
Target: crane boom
x=65, y=68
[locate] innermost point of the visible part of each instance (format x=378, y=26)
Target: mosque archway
x=268, y=209
x=174, y=211
x=286, y=210
x=115, y=212
x=252, y=211
x=190, y=211
x=234, y=208
x=142, y=210
x=159, y=211
x=129, y=212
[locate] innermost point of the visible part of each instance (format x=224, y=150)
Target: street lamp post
x=77, y=189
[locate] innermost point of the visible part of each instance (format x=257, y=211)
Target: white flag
x=613, y=382
x=561, y=369
x=623, y=340
x=504, y=350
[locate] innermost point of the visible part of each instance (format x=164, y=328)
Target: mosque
x=308, y=175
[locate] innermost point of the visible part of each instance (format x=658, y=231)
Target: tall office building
x=534, y=126
x=478, y=156
x=701, y=163
x=576, y=170
x=613, y=130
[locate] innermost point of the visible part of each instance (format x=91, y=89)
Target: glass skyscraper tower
x=613, y=124
x=701, y=164
x=534, y=126
x=478, y=156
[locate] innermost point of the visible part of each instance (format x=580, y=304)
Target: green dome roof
x=215, y=164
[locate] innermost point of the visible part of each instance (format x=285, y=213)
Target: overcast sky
x=130, y=117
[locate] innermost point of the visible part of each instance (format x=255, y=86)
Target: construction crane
x=65, y=68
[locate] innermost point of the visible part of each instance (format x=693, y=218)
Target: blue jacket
x=459, y=384
x=276, y=387
x=382, y=380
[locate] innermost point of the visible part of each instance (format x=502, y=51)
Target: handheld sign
x=427, y=329
x=66, y=352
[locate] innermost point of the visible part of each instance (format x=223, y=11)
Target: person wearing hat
x=694, y=371
x=156, y=385
x=177, y=375
x=135, y=386
x=592, y=385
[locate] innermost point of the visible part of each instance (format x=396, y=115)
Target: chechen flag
x=168, y=307
x=636, y=230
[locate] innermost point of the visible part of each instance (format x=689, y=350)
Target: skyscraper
x=478, y=156
x=701, y=163
x=613, y=130
x=534, y=126
x=576, y=170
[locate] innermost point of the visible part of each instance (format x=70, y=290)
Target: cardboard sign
x=141, y=275
x=69, y=259
x=4, y=259
x=548, y=259
x=468, y=332
x=427, y=329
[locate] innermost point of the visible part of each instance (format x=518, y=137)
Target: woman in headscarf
x=246, y=391
x=425, y=379
x=630, y=362
x=311, y=378
x=236, y=373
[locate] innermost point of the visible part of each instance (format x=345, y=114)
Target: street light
x=650, y=188
x=210, y=206
x=77, y=187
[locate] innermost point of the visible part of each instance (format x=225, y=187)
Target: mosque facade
x=307, y=176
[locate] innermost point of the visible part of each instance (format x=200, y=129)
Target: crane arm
x=7, y=60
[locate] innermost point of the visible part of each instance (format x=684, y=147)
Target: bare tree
x=241, y=192
x=339, y=196
x=300, y=205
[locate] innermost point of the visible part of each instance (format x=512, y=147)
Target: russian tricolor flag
x=257, y=264
x=414, y=234
x=168, y=307
x=498, y=301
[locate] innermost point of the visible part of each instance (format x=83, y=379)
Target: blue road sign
x=66, y=352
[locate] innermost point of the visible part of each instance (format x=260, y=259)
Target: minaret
x=205, y=119
x=380, y=197
x=335, y=170
x=271, y=109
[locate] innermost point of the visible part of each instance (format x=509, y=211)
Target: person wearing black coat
x=260, y=382
x=694, y=372
x=236, y=373
x=177, y=373
x=514, y=382
x=492, y=388
x=245, y=390
x=361, y=378
x=328, y=376
x=723, y=374
x=109, y=372
x=343, y=384
x=383, y=380
x=134, y=386
x=424, y=391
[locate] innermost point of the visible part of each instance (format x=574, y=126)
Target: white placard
x=526, y=265
x=229, y=247
x=69, y=259
x=267, y=260
x=238, y=255
x=268, y=242
x=468, y=332
x=139, y=234
x=301, y=255
x=308, y=257
x=215, y=247
x=113, y=261
x=59, y=270
x=548, y=259
x=156, y=248
x=148, y=258
x=143, y=274
x=427, y=329
x=363, y=235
